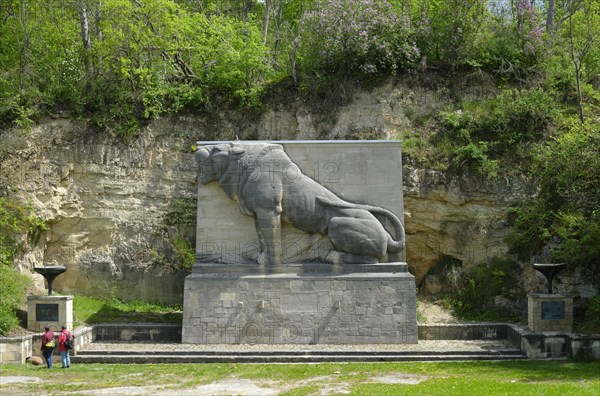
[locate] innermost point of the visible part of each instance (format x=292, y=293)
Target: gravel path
x=422, y=346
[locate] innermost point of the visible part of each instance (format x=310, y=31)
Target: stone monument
x=550, y=311
x=300, y=242
x=50, y=310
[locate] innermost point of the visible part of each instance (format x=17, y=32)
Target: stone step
x=123, y=357
x=298, y=353
x=141, y=359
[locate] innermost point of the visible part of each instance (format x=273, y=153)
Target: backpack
x=68, y=343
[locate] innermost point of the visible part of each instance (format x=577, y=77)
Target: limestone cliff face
x=106, y=200
x=105, y=205
x=457, y=216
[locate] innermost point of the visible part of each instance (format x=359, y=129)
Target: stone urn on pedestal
x=550, y=311
x=49, y=310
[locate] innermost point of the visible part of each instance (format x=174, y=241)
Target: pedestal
x=53, y=311
x=304, y=307
x=550, y=312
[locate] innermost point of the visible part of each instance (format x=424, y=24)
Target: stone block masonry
x=360, y=308
x=550, y=312
x=53, y=311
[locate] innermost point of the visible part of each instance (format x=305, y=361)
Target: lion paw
x=334, y=257
x=262, y=259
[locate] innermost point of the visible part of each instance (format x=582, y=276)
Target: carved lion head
x=214, y=160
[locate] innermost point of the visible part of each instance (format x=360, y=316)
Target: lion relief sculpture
x=268, y=186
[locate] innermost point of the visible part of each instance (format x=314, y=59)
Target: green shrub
x=568, y=167
x=498, y=132
x=591, y=322
x=530, y=228
x=567, y=209
x=185, y=254
x=14, y=218
x=461, y=147
x=579, y=239
x=515, y=119
x=475, y=156
x=182, y=212
x=180, y=222
x=472, y=297
x=13, y=287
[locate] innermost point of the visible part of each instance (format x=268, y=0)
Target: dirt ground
x=432, y=311
x=327, y=385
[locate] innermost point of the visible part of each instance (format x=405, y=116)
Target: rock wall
x=105, y=205
x=106, y=200
x=458, y=217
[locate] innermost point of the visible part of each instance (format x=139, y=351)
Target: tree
x=85, y=35
x=583, y=36
x=350, y=36
x=38, y=59
x=266, y=20
x=447, y=30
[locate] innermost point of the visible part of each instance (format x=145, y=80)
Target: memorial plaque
x=46, y=312
x=553, y=310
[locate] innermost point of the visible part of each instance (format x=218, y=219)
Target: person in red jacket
x=48, y=345
x=64, y=351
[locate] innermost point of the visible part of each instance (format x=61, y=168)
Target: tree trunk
x=266, y=20
x=85, y=36
x=277, y=30
x=247, y=4
x=97, y=19
x=550, y=18
x=24, y=46
x=577, y=64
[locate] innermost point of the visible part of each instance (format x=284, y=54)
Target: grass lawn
x=447, y=378
x=89, y=310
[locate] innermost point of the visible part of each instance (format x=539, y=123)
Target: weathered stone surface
x=340, y=199
x=300, y=309
x=457, y=216
x=321, y=300
x=63, y=310
x=105, y=201
x=105, y=204
x=550, y=312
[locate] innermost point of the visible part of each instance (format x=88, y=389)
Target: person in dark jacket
x=48, y=345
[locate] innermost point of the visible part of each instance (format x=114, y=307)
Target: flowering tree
x=355, y=36
x=529, y=27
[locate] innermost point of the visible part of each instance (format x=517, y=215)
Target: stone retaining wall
x=554, y=344
x=137, y=332
x=475, y=331
x=535, y=345
x=17, y=349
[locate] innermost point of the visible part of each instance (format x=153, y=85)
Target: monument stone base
x=550, y=312
x=53, y=311
x=351, y=305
